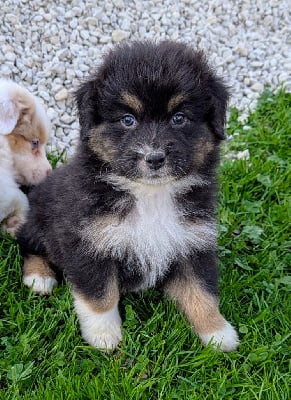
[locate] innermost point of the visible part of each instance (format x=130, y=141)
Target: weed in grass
x=56, y=159
x=44, y=357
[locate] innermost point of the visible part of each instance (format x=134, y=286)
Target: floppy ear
x=86, y=98
x=9, y=115
x=217, y=112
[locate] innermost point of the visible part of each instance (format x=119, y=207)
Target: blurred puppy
x=24, y=131
x=135, y=208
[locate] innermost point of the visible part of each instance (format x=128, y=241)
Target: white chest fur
x=152, y=235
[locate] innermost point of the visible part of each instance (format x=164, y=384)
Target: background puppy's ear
x=86, y=98
x=217, y=113
x=9, y=115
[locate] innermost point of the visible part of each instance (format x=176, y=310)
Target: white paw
x=106, y=338
x=102, y=330
x=225, y=339
x=40, y=284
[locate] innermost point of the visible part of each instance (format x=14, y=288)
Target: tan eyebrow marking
x=175, y=101
x=133, y=102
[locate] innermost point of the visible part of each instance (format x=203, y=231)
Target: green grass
x=44, y=357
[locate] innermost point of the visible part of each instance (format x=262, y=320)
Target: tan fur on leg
x=202, y=311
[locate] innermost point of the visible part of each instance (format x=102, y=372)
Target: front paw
x=42, y=285
x=102, y=337
x=12, y=224
x=225, y=339
x=102, y=330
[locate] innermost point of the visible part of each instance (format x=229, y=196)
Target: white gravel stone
x=61, y=95
x=67, y=119
x=118, y=36
x=52, y=114
x=257, y=87
x=51, y=47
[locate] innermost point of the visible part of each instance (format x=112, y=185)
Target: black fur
x=76, y=194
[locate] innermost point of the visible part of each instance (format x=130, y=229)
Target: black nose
x=156, y=159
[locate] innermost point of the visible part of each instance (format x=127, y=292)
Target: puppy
x=135, y=208
x=24, y=131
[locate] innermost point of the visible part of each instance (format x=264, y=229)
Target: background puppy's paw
x=40, y=284
x=225, y=339
x=12, y=224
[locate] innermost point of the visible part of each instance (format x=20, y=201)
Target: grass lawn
x=44, y=357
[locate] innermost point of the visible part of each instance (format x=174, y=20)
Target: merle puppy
x=135, y=208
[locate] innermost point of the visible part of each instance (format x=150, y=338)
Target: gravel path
x=50, y=46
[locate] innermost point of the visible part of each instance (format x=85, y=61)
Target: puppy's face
x=153, y=113
x=24, y=124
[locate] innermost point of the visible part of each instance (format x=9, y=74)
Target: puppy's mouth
x=155, y=179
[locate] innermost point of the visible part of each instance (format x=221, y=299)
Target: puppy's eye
x=128, y=121
x=179, y=119
x=34, y=144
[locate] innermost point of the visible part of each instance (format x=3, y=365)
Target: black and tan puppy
x=135, y=208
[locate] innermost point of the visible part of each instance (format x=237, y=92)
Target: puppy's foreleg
x=38, y=275
x=15, y=204
x=201, y=308
x=99, y=318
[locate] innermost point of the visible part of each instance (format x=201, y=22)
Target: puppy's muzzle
x=155, y=159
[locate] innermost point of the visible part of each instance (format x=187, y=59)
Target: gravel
x=49, y=46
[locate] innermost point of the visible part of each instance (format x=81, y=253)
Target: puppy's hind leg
x=201, y=309
x=38, y=275
x=99, y=318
